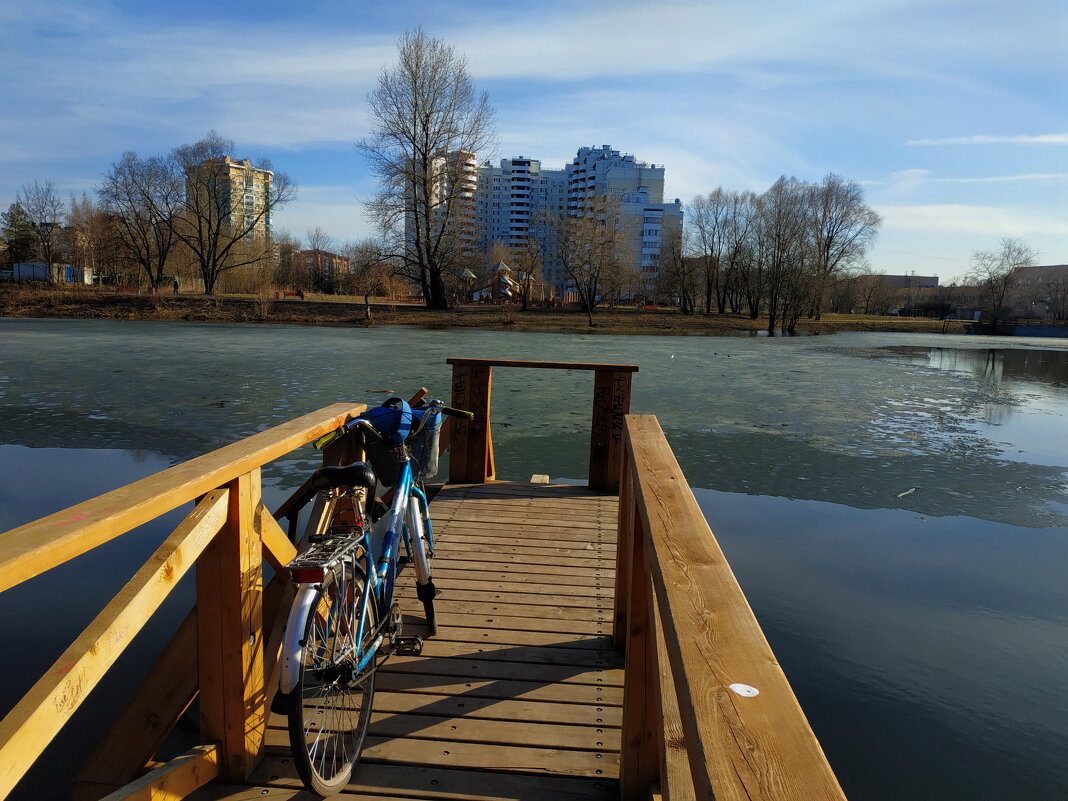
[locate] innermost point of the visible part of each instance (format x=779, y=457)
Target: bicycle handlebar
x=449, y=412
x=368, y=427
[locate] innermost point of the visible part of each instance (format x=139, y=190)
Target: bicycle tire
x=328, y=717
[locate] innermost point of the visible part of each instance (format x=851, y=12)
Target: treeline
x=156, y=217
x=780, y=253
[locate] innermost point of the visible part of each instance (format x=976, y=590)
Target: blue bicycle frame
x=378, y=589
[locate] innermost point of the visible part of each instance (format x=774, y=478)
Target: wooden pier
x=593, y=642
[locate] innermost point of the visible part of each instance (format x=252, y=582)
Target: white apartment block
x=519, y=198
x=516, y=201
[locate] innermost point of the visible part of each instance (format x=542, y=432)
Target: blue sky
x=953, y=115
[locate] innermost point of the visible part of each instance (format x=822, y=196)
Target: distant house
x=323, y=268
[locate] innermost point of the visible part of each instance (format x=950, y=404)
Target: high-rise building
x=451, y=198
x=235, y=190
x=520, y=199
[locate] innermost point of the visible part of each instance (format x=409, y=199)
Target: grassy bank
x=97, y=303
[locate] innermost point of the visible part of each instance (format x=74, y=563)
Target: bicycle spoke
x=329, y=716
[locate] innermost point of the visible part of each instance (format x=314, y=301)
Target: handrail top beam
x=40, y=545
x=738, y=746
x=615, y=368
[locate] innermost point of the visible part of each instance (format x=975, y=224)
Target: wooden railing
x=708, y=713
x=471, y=443
x=227, y=648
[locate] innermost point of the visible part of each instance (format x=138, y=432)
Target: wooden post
x=470, y=441
x=639, y=758
x=230, y=635
x=611, y=403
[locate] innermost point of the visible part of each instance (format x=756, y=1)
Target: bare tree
x=680, y=276
x=843, y=227
x=227, y=207
x=94, y=244
x=591, y=247
x=528, y=262
x=751, y=277
x=427, y=124
x=1056, y=289
x=708, y=217
x=145, y=196
x=995, y=273
x=783, y=229
x=44, y=207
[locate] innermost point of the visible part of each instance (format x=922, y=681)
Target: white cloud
x=1030, y=176
x=905, y=181
x=1022, y=139
x=960, y=218
x=335, y=209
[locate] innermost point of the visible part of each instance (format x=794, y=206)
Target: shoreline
x=328, y=310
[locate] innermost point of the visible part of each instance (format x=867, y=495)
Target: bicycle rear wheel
x=329, y=710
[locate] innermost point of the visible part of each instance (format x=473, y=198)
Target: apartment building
x=321, y=269
x=520, y=199
x=234, y=189
x=452, y=197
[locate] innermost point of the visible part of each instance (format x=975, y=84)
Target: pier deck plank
x=519, y=695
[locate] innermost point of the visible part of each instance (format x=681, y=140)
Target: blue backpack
x=393, y=419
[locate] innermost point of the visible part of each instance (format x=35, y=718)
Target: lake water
x=894, y=506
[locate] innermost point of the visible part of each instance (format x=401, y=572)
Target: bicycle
x=344, y=623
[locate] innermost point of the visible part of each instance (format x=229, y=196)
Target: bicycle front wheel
x=329, y=709
x=419, y=532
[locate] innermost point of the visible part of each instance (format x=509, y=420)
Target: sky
x=953, y=115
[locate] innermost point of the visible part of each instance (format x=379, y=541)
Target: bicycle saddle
x=357, y=474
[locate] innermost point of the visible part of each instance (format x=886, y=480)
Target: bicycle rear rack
x=310, y=567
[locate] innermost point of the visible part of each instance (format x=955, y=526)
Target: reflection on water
x=929, y=654
x=895, y=506
x=41, y=617
x=993, y=365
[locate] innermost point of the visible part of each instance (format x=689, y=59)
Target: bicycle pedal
x=409, y=645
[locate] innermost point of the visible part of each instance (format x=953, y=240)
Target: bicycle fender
x=292, y=648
